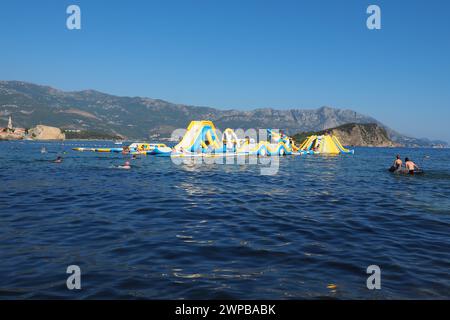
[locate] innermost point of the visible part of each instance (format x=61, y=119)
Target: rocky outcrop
x=11, y=136
x=354, y=134
x=369, y=135
x=41, y=132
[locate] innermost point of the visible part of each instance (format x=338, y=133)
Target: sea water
x=217, y=231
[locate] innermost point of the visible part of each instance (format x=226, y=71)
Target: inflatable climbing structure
x=201, y=138
x=324, y=144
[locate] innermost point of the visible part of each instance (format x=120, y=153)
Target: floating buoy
x=331, y=286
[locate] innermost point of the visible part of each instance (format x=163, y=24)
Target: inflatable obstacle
x=98, y=149
x=324, y=144
x=201, y=137
x=134, y=148
x=149, y=149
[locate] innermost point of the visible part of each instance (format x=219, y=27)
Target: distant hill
x=355, y=134
x=142, y=118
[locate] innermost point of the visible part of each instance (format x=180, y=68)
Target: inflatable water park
x=202, y=138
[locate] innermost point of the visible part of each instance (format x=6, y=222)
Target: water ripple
x=221, y=231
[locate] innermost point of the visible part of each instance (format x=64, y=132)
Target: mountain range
x=141, y=118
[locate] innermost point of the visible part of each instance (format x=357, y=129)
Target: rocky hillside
x=137, y=117
x=354, y=134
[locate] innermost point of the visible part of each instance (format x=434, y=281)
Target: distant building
x=10, y=126
x=11, y=131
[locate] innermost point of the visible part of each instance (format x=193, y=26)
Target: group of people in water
x=410, y=166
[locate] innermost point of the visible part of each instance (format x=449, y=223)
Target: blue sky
x=243, y=54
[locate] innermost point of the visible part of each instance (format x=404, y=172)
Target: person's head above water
x=398, y=156
x=127, y=163
x=406, y=159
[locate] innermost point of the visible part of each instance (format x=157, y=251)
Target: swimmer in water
x=126, y=165
x=58, y=159
x=410, y=166
x=397, y=165
x=134, y=157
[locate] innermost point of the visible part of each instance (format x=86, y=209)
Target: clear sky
x=243, y=54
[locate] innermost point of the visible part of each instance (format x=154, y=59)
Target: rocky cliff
x=41, y=132
x=354, y=134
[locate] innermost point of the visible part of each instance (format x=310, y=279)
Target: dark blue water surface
x=162, y=230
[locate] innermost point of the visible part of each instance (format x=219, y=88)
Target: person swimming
x=397, y=165
x=126, y=165
x=410, y=166
x=58, y=159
